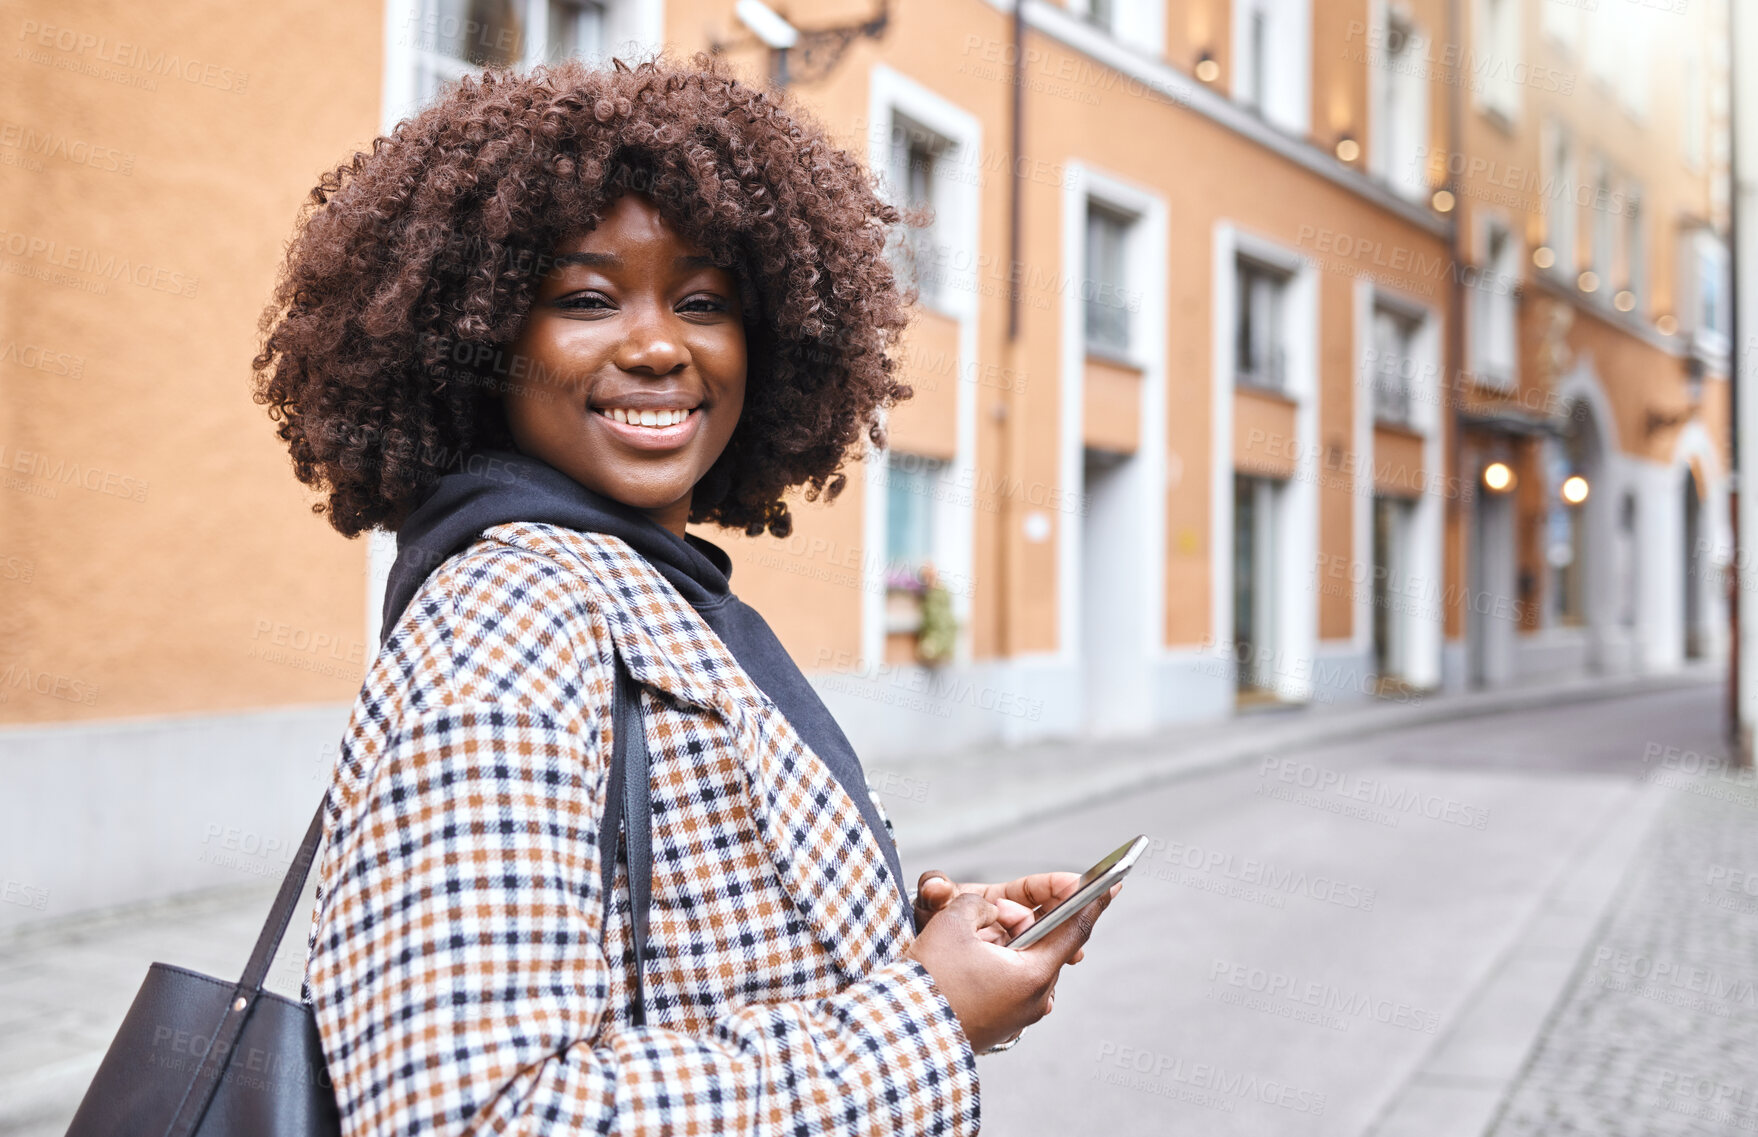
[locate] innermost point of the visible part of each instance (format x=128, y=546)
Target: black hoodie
x=498, y=486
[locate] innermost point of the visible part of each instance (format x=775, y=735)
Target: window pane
x=484, y=33
x=909, y=510
x=1104, y=288
x=575, y=28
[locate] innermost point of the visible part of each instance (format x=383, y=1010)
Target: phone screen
x=1113, y=868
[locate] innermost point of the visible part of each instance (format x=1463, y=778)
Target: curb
x=1286, y=730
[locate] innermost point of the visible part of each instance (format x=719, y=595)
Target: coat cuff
x=929, y=1049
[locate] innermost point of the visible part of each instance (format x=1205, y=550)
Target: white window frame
x=1139, y=23
x=1635, y=224
x=922, y=258
x=632, y=29
x=1398, y=104
x=1562, y=220
x=1496, y=46
x=1297, y=543
x=1424, y=625
x=1287, y=92
x=1603, y=233
x=1561, y=23
x=891, y=94
x=1487, y=307
x=1694, y=106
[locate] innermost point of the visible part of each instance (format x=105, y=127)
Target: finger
x=1060, y=945
x=974, y=912
x=1016, y=916
x=1036, y=890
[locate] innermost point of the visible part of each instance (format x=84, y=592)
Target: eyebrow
x=611, y=260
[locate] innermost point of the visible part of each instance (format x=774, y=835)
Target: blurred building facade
x=1268, y=352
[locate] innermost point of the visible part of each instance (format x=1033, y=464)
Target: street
x=1505, y=922
x=1315, y=930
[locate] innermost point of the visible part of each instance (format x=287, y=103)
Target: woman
x=544, y=324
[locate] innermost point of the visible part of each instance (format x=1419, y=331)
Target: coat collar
x=825, y=854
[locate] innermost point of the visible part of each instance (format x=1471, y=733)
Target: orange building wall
x=174, y=564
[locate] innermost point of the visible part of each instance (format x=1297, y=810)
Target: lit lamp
x=1544, y=256
x=1348, y=149
x=1442, y=201
x=1624, y=301
x=1574, y=490
x=1588, y=281
x=1666, y=325
x=1498, y=477
x=1207, y=69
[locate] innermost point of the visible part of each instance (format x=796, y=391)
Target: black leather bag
x=200, y=1057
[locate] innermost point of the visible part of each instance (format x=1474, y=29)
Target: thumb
x=971, y=912
x=934, y=889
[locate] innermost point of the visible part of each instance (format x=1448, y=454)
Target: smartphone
x=1091, y=885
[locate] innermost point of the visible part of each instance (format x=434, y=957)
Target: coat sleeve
x=459, y=979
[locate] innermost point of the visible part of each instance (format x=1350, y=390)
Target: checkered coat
x=462, y=974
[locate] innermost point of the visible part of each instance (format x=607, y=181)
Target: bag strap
x=206, y=1078
x=628, y=757
x=629, y=796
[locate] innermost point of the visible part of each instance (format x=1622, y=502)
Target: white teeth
x=663, y=418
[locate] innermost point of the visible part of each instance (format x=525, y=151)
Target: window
x=1401, y=111
x=1559, y=199
x=1272, y=73
x=1260, y=358
x=1712, y=313
x=1257, y=64
x=1694, y=106
x=1565, y=534
x=1105, y=289
x=917, y=155
x=1634, y=33
x=1562, y=22
x=1393, y=364
x=1103, y=13
x=1604, y=226
x=910, y=486
x=1701, y=301
x=1494, y=315
x=453, y=37
x=1498, y=57
x=1604, y=43
x=1635, y=245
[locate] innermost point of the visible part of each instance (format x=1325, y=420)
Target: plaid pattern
x=457, y=965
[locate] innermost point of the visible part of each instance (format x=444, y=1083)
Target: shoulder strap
x=629, y=796
x=627, y=793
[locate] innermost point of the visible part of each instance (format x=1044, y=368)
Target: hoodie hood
x=495, y=487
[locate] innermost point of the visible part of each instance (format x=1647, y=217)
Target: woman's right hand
x=995, y=991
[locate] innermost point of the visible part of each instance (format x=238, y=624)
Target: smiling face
x=637, y=348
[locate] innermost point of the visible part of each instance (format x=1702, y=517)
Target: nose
x=651, y=342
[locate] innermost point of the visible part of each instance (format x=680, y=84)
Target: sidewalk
x=64, y=986
x=1657, y=1030
x=939, y=802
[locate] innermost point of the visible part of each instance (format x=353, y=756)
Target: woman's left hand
x=1016, y=899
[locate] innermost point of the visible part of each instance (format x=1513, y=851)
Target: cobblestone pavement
x=1658, y=1032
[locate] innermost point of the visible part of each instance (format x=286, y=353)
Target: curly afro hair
x=413, y=267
